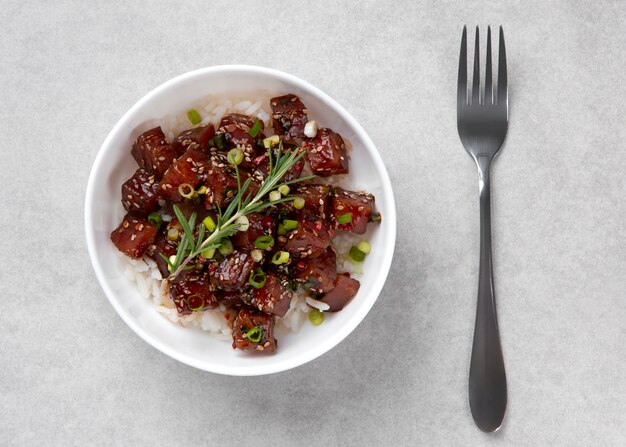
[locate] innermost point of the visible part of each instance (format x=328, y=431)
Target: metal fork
x=482, y=121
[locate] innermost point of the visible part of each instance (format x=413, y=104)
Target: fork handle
x=487, y=378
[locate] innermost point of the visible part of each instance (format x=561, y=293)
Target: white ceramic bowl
x=114, y=164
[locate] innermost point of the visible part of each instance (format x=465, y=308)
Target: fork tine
x=462, y=84
x=488, y=77
x=476, y=78
x=503, y=95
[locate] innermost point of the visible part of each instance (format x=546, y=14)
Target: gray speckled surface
x=72, y=373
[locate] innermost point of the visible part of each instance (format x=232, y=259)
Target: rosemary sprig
x=241, y=205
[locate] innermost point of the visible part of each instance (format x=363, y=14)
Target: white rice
x=145, y=275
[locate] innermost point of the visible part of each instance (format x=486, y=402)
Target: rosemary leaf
x=241, y=204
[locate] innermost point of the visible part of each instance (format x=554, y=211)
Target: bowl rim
x=389, y=238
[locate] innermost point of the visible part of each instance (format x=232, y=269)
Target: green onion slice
x=235, y=156
x=217, y=141
x=290, y=224
x=298, y=203
x=208, y=253
x=255, y=334
x=280, y=257
x=264, y=242
x=199, y=307
x=376, y=218
x=257, y=279
x=193, y=116
x=256, y=255
x=344, y=218
x=274, y=196
x=243, y=222
x=356, y=254
x=209, y=224
x=186, y=190
x=227, y=247
x=255, y=129
x=155, y=219
x=364, y=246
x=281, y=230
x=269, y=142
x=316, y=317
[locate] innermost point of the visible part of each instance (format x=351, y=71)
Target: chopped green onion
x=281, y=230
x=243, y=223
x=256, y=255
x=298, y=203
x=201, y=190
x=172, y=261
x=284, y=190
x=258, y=278
x=255, y=129
x=218, y=141
x=208, y=253
x=376, y=218
x=193, y=116
x=280, y=257
x=186, y=190
x=172, y=234
x=227, y=247
x=344, y=218
x=255, y=334
x=364, y=246
x=316, y=317
x=155, y=219
x=274, y=196
x=235, y=156
x=199, y=307
x=290, y=224
x=209, y=224
x=264, y=242
x=356, y=254
x=271, y=141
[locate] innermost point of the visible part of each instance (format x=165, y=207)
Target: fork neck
x=484, y=167
x=484, y=187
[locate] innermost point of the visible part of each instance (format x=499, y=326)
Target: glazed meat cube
x=260, y=225
x=233, y=299
x=134, y=236
x=261, y=166
x=318, y=274
x=153, y=153
x=139, y=193
x=253, y=330
x=345, y=289
x=220, y=182
x=236, y=130
x=351, y=211
x=161, y=245
x=294, y=173
x=326, y=153
x=309, y=239
x=316, y=199
x=192, y=291
x=189, y=168
x=290, y=116
x=274, y=298
x=233, y=272
x=198, y=135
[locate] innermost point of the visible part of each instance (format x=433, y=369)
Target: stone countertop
x=71, y=371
